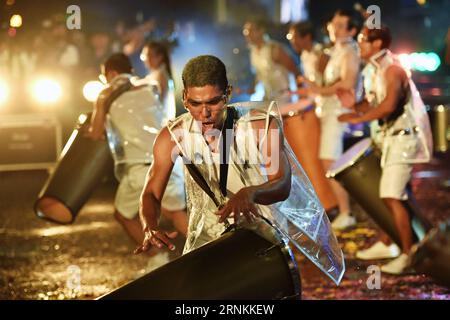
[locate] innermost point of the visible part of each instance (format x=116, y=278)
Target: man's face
x=338, y=28
x=367, y=48
x=298, y=42
x=206, y=105
x=252, y=33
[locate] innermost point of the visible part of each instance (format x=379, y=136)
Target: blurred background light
x=47, y=90
x=4, y=91
x=92, y=89
x=16, y=21
x=420, y=61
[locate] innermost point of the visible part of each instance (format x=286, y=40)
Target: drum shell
x=227, y=268
x=362, y=182
x=80, y=169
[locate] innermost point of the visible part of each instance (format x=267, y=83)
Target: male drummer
x=341, y=71
x=271, y=63
x=132, y=122
x=404, y=136
x=247, y=168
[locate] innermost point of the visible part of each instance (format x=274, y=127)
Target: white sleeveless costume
x=407, y=140
x=300, y=217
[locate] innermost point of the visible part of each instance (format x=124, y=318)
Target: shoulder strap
x=225, y=150
x=224, y=157
x=117, y=93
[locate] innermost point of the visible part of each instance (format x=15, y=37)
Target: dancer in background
x=131, y=136
x=270, y=62
x=392, y=99
x=342, y=72
x=302, y=126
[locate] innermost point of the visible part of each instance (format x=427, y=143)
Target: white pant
x=131, y=186
x=394, y=179
x=331, y=137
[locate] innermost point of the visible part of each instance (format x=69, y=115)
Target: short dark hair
x=205, y=70
x=303, y=28
x=383, y=33
x=118, y=62
x=354, y=18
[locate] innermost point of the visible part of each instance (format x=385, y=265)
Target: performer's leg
x=339, y=191
x=402, y=222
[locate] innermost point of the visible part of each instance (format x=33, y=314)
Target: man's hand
x=157, y=238
x=243, y=203
x=347, y=97
x=352, y=118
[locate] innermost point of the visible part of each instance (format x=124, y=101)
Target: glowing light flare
x=92, y=89
x=420, y=61
x=15, y=21
x=4, y=91
x=46, y=91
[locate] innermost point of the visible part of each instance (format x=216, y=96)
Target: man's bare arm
x=153, y=191
x=395, y=77
x=276, y=189
x=280, y=56
x=347, y=79
x=278, y=186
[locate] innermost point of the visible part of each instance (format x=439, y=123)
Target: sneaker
x=379, y=251
x=343, y=221
x=157, y=261
x=396, y=266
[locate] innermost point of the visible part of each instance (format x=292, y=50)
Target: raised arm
x=280, y=56
x=97, y=127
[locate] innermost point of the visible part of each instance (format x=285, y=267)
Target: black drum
x=83, y=164
x=241, y=264
x=359, y=172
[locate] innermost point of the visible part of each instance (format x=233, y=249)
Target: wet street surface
x=42, y=260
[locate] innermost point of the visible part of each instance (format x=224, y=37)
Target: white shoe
x=157, y=261
x=379, y=251
x=396, y=266
x=343, y=221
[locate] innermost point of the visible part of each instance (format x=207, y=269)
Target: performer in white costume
x=264, y=178
x=404, y=136
x=156, y=57
x=302, y=127
x=270, y=61
x=342, y=71
x=132, y=122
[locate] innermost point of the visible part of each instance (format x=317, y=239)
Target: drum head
x=349, y=157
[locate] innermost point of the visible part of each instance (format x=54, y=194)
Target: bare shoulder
x=395, y=72
x=164, y=141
